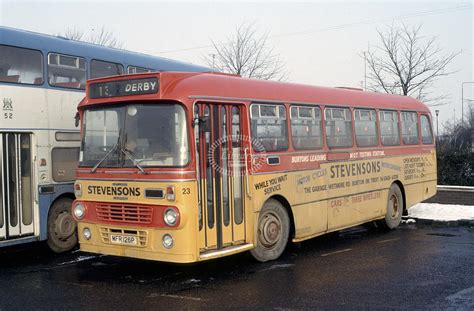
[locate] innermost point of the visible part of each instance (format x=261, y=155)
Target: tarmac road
x=413, y=267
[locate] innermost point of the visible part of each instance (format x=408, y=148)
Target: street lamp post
x=462, y=100
x=213, y=60
x=365, y=71
x=437, y=128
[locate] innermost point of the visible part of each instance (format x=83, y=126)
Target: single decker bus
x=186, y=167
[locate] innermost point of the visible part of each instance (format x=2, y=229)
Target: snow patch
x=441, y=212
x=463, y=299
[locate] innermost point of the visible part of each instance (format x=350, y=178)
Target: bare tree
x=101, y=37
x=247, y=53
x=73, y=34
x=407, y=63
x=455, y=152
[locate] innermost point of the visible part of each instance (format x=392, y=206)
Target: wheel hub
x=64, y=226
x=270, y=229
x=394, y=206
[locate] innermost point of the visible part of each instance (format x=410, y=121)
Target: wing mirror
x=77, y=119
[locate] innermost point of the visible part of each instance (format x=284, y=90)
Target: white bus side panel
x=40, y=113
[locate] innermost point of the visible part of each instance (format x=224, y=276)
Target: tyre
x=273, y=230
x=62, y=228
x=394, y=207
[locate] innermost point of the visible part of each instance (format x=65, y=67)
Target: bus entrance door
x=221, y=167
x=16, y=201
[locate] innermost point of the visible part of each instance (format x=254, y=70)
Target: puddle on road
x=277, y=266
x=354, y=232
x=443, y=234
x=192, y=281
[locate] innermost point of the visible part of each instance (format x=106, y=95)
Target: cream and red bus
x=186, y=167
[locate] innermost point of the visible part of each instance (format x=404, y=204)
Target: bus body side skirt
x=225, y=251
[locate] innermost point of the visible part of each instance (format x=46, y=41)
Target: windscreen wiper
x=135, y=161
x=105, y=157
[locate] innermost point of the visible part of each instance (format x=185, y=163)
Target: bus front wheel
x=273, y=230
x=394, y=207
x=62, y=228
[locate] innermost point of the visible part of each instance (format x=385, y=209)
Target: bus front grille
x=125, y=213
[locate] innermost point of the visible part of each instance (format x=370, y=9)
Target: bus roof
x=174, y=85
x=48, y=43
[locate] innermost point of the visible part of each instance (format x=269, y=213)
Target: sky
x=320, y=42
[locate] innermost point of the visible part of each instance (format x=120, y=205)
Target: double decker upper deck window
x=101, y=69
x=338, y=127
x=306, y=127
x=410, y=128
x=269, y=128
x=135, y=69
x=66, y=71
x=18, y=65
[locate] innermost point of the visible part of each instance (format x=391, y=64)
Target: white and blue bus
x=42, y=79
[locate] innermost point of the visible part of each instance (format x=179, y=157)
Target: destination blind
x=123, y=88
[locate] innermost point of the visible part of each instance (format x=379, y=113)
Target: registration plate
x=123, y=239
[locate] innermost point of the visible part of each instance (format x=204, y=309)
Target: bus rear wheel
x=62, y=228
x=273, y=230
x=394, y=207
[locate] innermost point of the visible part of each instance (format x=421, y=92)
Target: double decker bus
x=42, y=79
x=186, y=167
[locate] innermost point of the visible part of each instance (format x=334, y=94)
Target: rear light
x=170, y=195
x=78, y=189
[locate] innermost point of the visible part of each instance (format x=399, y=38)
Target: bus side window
x=426, y=132
x=365, y=128
x=269, y=127
x=66, y=71
x=389, y=130
x=101, y=69
x=410, y=128
x=18, y=65
x=338, y=127
x=306, y=127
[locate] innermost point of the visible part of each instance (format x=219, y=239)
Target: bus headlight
x=79, y=211
x=170, y=217
x=167, y=241
x=86, y=233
